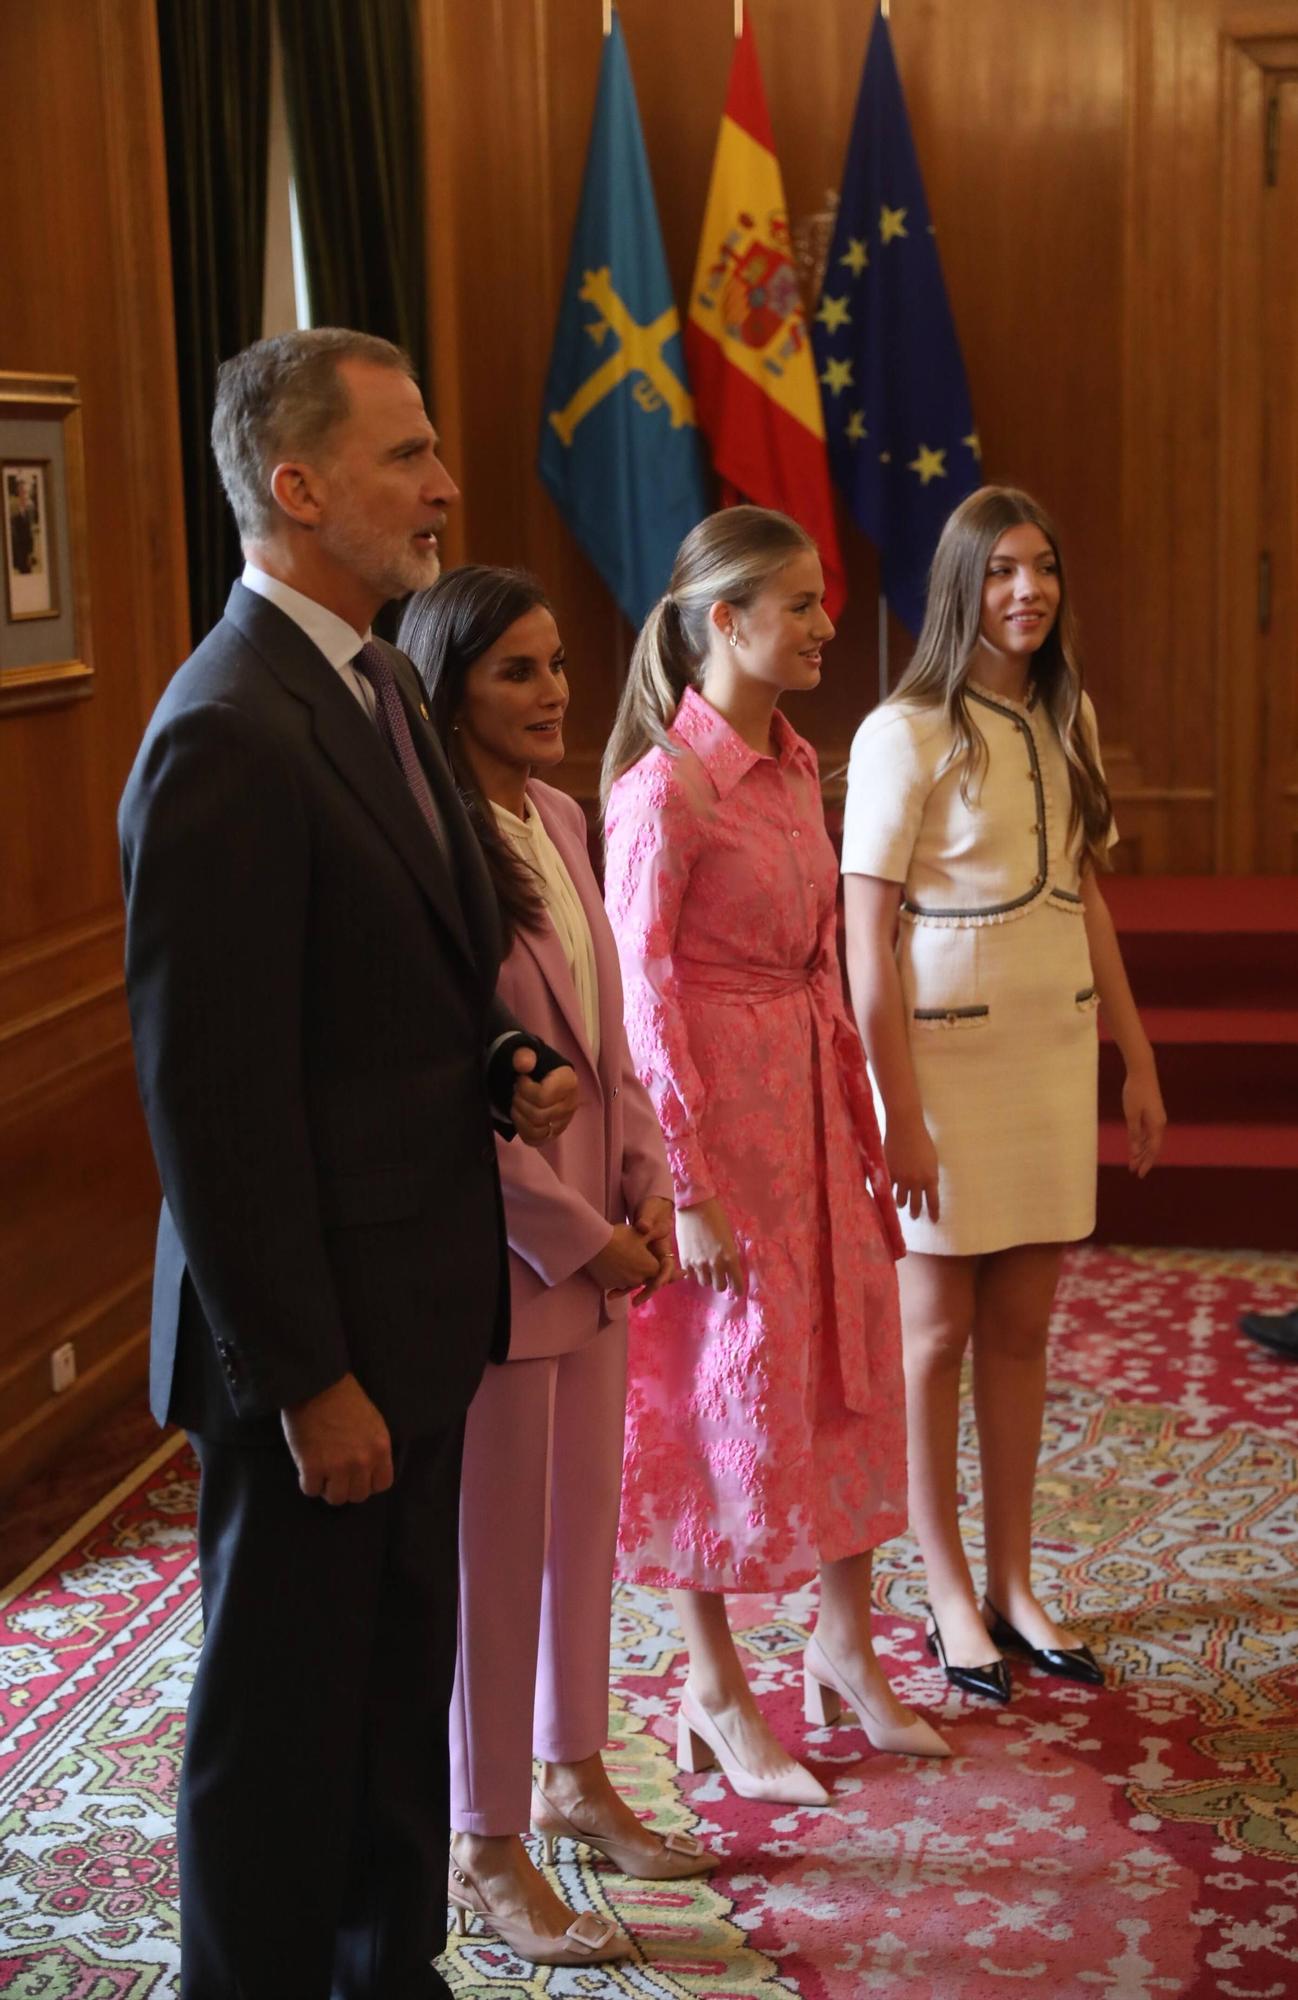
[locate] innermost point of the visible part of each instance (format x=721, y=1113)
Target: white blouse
x=533, y=845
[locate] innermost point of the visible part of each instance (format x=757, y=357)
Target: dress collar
x=723, y=752
x=1003, y=700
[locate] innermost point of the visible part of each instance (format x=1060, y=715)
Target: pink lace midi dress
x=765, y=1434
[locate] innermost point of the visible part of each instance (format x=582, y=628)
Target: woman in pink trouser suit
x=588, y=1219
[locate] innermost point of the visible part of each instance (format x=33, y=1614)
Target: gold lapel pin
x=423, y=711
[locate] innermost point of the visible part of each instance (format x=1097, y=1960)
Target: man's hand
x=541, y=1111
x=340, y=1444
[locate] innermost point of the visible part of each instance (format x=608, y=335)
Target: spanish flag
x=747, y=343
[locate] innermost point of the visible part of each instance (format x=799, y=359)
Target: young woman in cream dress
x=979, y=947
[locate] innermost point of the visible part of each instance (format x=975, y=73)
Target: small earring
x=733, y=637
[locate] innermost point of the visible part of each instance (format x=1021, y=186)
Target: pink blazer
x=561, y=1198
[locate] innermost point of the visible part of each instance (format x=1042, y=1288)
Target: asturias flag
x=902, y=439
x=746, y=338
x=620, y=449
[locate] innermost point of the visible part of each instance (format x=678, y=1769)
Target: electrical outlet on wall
x=63, y=1367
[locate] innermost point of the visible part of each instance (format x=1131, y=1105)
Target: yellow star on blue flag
x=889, y=321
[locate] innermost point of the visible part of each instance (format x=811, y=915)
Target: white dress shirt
x=337, y=640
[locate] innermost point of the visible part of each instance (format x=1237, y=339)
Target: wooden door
x=1276, y=690
x=1258, y=487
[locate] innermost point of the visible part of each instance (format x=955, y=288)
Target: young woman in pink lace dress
x=766, y=1423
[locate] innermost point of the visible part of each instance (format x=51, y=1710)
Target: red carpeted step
x=1227, y=1185
x=1208, y=941
x=1217, y=1065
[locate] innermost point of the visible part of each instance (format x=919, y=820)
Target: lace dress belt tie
x=839, y=1048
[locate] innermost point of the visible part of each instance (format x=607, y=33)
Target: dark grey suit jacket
x=311, y=989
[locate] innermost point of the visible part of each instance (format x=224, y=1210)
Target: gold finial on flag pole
x=885, y=8
x=739, y=18
x=608, y=17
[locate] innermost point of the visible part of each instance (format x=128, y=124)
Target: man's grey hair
x=280, y=399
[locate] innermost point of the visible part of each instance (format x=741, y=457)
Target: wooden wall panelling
x=1240, y=378
x=1015, y=110
x=1163, y=726
x=1278, y=649
x=1258, y=701
x=85, y=275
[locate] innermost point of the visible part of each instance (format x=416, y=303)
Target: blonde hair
x=729, y=558
x=948, y=645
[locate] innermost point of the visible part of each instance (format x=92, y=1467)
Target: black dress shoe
x=1278, y=1331
x=1071, y=1663
x=992, y=1680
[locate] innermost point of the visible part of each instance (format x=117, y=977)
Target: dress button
x=795, y=835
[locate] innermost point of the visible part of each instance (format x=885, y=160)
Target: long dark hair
x=445, y=630
x=948, y=646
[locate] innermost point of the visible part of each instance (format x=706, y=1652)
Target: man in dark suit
x=22, y=528
x=312, y=950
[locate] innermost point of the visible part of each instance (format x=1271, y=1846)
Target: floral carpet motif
x=1122, y=1843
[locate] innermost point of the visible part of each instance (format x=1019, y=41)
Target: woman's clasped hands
x=640, y=1255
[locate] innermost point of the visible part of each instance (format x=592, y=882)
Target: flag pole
x=883, y=647
x=608, y=17
x=739, y=18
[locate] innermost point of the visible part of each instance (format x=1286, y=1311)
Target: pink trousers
x=538, y=1525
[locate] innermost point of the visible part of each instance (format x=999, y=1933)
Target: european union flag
x=619, y=448
x=902, y=442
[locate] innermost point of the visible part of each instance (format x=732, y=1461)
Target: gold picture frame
x=45, y=644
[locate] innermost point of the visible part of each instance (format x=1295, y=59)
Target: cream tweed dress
x=995, y=970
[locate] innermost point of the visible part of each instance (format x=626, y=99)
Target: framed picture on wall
x=45, y=650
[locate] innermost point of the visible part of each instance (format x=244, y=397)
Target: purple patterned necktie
x=390, y=715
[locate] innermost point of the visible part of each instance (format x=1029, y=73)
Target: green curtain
x=216, y=101
x=351, y=86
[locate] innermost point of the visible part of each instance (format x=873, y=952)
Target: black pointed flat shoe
x=1071, y=1663
x=992, y=1680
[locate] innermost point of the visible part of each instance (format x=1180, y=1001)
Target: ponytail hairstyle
x=947, y=653
x=445, y=629
x=729, y=558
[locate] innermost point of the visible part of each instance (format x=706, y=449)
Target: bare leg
x=841, y=1657
x=937, y=1317
x=844, y=1636
x=1015, y=1292
x=583, y=1793
x=511, y=1885
x=720, y=1686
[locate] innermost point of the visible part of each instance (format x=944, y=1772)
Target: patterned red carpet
x=1122, y=1844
